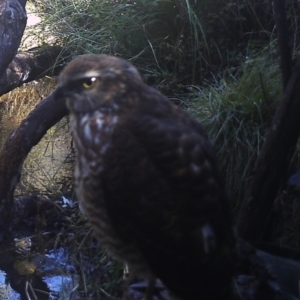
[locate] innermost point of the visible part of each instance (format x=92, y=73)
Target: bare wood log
x=12, y=25
x=46, y=114
x=32, y=65
x=272, y=163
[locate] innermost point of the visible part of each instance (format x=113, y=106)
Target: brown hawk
x=147, y=179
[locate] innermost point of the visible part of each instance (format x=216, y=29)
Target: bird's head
x=91, y=82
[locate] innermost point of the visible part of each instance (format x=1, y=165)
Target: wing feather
x=168, y=199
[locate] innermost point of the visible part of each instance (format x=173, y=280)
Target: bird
x=147, y=179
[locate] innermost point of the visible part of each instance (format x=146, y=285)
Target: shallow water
x=6, y=291
x=29, y=275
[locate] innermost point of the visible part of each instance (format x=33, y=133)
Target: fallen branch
x=32, y=65
x=16, y=148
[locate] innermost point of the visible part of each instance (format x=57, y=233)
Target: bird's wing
x=163, y=192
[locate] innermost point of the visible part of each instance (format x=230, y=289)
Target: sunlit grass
x=172, y=42
x=49, y=166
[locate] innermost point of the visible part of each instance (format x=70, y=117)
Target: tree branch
x=16, y=148
x=31, y=65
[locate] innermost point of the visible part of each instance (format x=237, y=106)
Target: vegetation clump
x=236, y=111
x=173, y=42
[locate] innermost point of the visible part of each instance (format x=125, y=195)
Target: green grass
x=236, y=112
x=173, y=42
x=142, y=31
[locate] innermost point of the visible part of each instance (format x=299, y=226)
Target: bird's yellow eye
x=89, y=83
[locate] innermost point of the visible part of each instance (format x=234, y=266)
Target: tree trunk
x=12, y=25
x=280, y=143
x=284, y=47
x=272, y=163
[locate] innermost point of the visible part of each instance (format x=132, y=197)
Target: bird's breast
x=93, y=138
x=92, y=134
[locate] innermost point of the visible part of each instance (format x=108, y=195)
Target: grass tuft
x=236, y=111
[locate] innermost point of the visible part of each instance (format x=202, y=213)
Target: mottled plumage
x=147, y=179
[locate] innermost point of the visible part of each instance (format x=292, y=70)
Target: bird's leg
x=150, y=289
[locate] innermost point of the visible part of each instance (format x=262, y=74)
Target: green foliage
x=178, y=41
x=236, y=111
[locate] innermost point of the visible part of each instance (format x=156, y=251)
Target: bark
x=279, y=146
x=32, y=65
x=12, y=25
x=272, y=163
x=283, y=40
x=46, y=114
